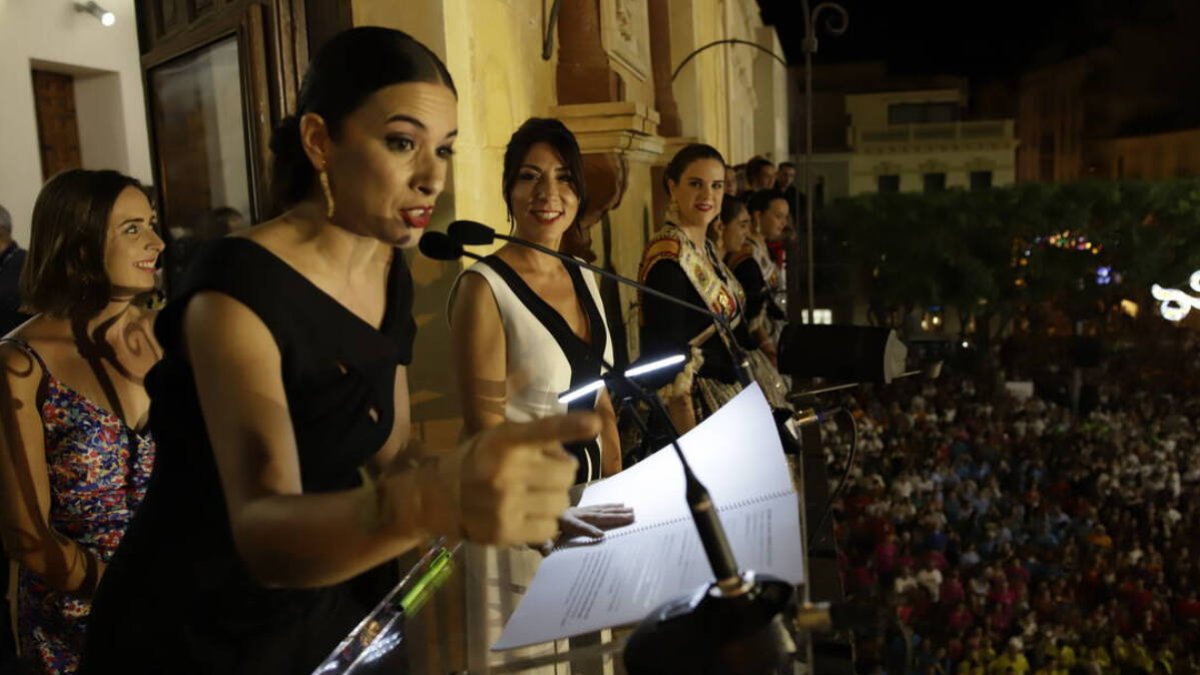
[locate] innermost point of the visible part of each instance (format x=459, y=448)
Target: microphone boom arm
x=741, y=361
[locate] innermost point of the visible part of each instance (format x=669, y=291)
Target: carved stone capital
x=627, y=129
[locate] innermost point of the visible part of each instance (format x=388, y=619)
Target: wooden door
x=58, y=127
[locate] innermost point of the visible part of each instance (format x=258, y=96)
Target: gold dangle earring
x=323, y=177
x=673, y=212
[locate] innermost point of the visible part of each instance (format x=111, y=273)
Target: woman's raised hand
x=511, y=481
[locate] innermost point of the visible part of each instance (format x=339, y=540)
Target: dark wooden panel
x=273, y=44
x=325, y=19
x=173, y=16
x=177, y=26
x=180, y=144
x=198, y=7
x=256, y=73
x=58, y=127
x=291, y=51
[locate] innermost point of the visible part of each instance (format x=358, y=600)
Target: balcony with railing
x=891, y=136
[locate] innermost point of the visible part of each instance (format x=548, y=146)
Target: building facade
x=1163, y=156
x=911, y=141
x=1137, y=83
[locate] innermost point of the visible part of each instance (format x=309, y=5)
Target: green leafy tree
x=990, y=255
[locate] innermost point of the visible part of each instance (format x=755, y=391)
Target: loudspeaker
x=841, y=353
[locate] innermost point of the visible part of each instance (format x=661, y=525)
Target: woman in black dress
x=679, y=260
x=750, y=263
x=281, y=403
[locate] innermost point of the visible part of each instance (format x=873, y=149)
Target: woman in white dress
x=526, y=327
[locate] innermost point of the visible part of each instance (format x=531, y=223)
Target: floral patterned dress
x=99, y=468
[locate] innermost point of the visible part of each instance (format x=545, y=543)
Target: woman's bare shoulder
x=42, y=332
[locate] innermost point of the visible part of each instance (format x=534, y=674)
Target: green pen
x=439, y=569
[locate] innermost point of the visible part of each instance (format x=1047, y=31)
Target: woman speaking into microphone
x=281, y=404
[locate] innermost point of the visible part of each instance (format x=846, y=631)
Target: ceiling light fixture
x=106, y=17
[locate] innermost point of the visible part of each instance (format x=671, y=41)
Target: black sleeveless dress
x=176, y=597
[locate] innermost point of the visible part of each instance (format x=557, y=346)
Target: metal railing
x=987, y=130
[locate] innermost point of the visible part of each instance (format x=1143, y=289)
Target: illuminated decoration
x=932, y=319
x=1023, y=250
x=1130, y=308
x=1065, y=240
x=1176, y=303
x=1104, y=275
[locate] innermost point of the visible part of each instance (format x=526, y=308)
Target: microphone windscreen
x=470, y=233
x=438, y=245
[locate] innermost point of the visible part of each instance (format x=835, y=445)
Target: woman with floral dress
x=75, y=455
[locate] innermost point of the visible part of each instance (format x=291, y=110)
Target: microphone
x=471, y=233
x=808, y=416
x=825, y=616
x=439, y=246
x=463, y=233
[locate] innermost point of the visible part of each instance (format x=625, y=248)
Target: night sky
x=982, y=39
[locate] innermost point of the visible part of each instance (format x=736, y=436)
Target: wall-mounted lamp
x=106, y=17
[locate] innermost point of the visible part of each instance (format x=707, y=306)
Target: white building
x=906, y=139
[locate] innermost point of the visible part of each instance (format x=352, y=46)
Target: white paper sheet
x=737, y=455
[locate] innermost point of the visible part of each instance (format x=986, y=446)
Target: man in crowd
x=760, y=174
x=785, y=177
x=12, y=258
x=785, y=182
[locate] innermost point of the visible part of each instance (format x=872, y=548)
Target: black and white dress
x=544, y=357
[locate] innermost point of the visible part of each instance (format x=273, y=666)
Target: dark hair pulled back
x=755, y=167
x=555, y=134
x=731, y=208
x=761, y=201
x=693, y=152
x=345, y=71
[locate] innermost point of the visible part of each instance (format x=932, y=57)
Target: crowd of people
x=1012, y=537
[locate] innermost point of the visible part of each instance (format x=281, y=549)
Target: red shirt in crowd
x=952, y=591
x=1188, y=609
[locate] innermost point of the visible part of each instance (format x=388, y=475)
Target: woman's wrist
x=423, y=499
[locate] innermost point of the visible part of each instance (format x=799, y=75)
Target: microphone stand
x=734, y=625
x=704, y=513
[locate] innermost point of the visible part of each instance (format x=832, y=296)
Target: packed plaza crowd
x=1010, y=536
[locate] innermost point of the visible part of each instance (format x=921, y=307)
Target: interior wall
x=100, y=112
x=54, y=34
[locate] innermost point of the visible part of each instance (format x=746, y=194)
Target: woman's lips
x=547, y=216
x=419, y=217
